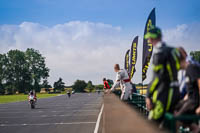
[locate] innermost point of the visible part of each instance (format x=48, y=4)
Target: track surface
x=52, y=115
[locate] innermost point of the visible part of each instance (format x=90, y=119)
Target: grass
x=88, y=90
x=22, y=97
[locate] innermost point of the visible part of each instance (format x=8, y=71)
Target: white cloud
x=74, y=50
x=184, y=35
x=86, y=50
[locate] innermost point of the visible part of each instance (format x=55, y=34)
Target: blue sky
x=83, y=39
x=129, y=14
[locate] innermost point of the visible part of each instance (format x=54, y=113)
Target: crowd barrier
x=138, y=101
x=170, y=121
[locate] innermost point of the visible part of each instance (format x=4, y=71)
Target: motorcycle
x=32, y=101
x=69, y=94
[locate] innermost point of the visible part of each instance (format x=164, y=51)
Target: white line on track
x=58, y=107
x=98, y=120
x=91, y=104
x=74, y=115
x=54, y=111
x=46, y=124
x=79, y=110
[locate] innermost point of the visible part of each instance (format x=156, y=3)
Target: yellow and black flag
x=147, y=47
x=133, y=56
x=126, y=63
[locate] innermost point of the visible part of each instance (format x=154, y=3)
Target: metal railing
x=138, y=100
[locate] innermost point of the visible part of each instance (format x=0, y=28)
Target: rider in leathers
x=163, y=91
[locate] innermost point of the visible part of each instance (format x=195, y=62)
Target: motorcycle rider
x=163, y=92
x=32, y=94
x=122, y=79
x=69, y=94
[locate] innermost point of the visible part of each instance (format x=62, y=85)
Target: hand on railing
x=198, y=111
x=149, y=103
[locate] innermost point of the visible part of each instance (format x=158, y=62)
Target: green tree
x=46, y=84
x=3, y=60
x=195, y=55
x=17, y=71
x=22, y=71
x=99, y=86
x=59, y=85
x=79, y=85
x=37, y=67
x=90, y=86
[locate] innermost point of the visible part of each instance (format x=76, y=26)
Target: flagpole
x=142, y=87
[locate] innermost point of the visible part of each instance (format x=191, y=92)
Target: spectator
x=106, y=85
x=110, y=82
x=182, y=75
x=163, y=92
x=191, y=101
x=123, y=80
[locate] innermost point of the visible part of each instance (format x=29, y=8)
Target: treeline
x=82, y=86
x=22, y=71
x=195, y=55
x=78, y=86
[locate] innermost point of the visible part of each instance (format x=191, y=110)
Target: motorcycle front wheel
x=32, y=105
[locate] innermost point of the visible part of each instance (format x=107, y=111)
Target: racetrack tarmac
x=60, y=114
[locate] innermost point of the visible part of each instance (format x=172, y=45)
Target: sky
x=83, y=39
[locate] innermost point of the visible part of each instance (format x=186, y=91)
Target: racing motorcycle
x=32, y=101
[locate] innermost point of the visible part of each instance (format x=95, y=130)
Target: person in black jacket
x=163, y=91
x=190, y=103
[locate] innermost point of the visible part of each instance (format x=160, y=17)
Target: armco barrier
x=170, y=120
x=138, y=101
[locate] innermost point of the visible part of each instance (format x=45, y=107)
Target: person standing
x=122, y=79
x=182, y=72
x=106, y=85
x=190, y=103
x=163, y=91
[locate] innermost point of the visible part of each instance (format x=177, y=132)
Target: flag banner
x=133, y=56
x=126, y=63
x=147, y=47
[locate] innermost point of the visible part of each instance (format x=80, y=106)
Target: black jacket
x=165, y=69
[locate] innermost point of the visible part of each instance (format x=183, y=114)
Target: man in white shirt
x=123, y=80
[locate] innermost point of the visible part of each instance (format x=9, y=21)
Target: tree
x=46, y=85
x=99, y=87
x=79, y=85
x=195, y=55
x=37, y=67
x=17, y=71
x=22, y=71
x=3, y=60
x=90, y=86
x=59, y=85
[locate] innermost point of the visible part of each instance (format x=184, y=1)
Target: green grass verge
x=22, y=97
